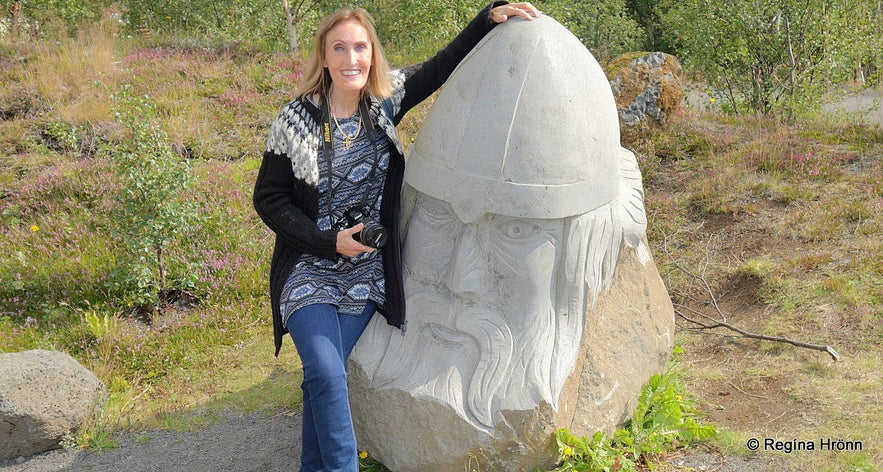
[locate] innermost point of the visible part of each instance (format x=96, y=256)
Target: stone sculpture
x=525, y=214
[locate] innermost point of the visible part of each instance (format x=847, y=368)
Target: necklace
x=347, y=140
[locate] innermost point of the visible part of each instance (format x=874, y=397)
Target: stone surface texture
x=532, y=297
x=43, y=395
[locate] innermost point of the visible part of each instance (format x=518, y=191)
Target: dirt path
x=237, y=443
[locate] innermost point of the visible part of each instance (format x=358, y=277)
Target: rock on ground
x=43, y=395
x=648, y=88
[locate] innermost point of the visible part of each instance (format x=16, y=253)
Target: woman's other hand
x=348, y=246
x=525, y=10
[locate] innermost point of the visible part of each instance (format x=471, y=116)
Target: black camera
x=372, y=235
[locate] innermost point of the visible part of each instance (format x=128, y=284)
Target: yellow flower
x=35, y=228
x=568, y=451
x=363, y=455
x=712, y=100
x=679, y=397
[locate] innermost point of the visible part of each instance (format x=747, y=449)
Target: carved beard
x=479, y=368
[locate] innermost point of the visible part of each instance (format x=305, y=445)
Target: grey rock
x=43, y=395
x=647, y=89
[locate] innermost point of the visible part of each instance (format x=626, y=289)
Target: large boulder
x=43, y=395
x=533, y=300
x=627, y=338
x=648, y=88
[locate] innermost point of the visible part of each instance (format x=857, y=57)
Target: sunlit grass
x=66, y=77
x=796, y=210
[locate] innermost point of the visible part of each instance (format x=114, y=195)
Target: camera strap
x=328, y=150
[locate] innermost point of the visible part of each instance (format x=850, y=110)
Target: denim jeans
x=324, y=340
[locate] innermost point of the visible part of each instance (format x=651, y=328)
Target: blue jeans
x=324, y=340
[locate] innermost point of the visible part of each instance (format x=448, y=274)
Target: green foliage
x=418, y=29
x=604, y=26
x=820, y=229
x=648, y=14
x=260, y=22
x=369, y=464
x=60, y=136
x=38, y=18
x=98, y=324
x=773, y=56
x=758, y=267
x=595, y=454
x=92, y=436
x=152, y=211
x=664, y=419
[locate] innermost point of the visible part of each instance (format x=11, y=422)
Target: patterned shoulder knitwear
x=286, y=194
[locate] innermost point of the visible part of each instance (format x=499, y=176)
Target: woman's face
x=348, y=55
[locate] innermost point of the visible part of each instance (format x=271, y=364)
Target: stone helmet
x=526, y=126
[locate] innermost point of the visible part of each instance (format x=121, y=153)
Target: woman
x=329, y=187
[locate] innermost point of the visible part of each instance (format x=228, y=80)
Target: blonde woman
x=329, y=187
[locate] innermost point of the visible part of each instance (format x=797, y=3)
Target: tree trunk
x=292, y=38
x=291, y=24
x=161, y=267
x=13, y=22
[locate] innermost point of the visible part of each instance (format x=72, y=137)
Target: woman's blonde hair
x=317, y=79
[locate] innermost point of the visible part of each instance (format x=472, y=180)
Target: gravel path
x=255, y=442
x=240, y=443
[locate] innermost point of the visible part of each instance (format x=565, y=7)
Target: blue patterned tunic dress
x=347, y=283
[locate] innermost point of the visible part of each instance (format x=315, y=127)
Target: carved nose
x=468, y=276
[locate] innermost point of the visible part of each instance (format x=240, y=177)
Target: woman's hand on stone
x=525, y=10
x=348, y=246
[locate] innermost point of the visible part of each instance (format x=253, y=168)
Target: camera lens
x=373, y=234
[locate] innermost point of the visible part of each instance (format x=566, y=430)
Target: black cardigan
x=285, y=193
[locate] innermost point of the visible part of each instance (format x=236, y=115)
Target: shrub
x=773, y=56
x=152, y=210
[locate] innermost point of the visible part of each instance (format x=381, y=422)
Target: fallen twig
x=747, y=334
x=711, y=323
x=776, y=418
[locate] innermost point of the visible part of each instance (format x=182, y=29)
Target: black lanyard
x=328, y=151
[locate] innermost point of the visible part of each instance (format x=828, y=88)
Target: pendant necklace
x=348, y=140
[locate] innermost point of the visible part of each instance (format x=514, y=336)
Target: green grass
x=785, y=222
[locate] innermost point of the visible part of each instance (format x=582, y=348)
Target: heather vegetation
x=128, y=151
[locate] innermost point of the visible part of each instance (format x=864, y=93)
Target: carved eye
x=436, y=211
x=518, y=229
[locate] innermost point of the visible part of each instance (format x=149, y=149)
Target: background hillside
x=764, y=206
